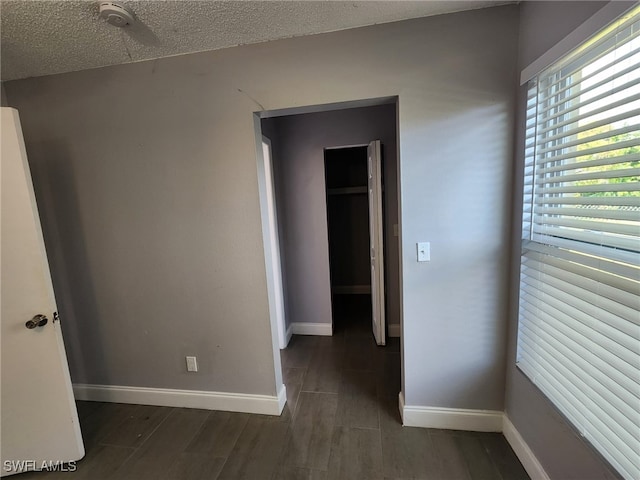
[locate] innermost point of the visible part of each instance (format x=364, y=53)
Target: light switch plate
x=424, y=251
x=192, y=364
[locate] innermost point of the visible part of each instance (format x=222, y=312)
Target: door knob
x=37, y=321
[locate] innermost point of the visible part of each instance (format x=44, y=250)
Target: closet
x=346, y=179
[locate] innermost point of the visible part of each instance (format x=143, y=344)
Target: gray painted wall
x=3, y=96
x=302, y=210
x=563, y=454
x=146, y=176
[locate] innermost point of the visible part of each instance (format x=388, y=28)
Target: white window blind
x=579, y=315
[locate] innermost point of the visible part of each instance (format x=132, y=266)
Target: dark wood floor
x=341, y=422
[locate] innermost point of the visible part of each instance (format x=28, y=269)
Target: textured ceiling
x=42, y=37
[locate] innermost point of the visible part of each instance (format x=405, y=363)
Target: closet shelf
x=346, y=190
x=350, y=289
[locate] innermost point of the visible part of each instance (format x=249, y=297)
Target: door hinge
x=56, y=317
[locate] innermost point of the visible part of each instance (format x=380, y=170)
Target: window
x=579, y=315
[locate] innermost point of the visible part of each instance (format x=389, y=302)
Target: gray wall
x=3, y=96
x=302, y=209
x=563, y=454
x=146, y=175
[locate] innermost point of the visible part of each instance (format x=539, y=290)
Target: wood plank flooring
x=341, y=422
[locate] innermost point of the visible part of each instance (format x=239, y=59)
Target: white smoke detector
x=116, y=14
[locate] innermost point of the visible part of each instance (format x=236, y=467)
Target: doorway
x=318, y=358
x=299, y=142
x=354, y=186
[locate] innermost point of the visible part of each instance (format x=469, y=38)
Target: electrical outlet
x=424, y=251
x=192, y=364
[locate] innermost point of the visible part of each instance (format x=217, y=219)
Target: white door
x=39, y=421
x=272, y=243
x=375, y=238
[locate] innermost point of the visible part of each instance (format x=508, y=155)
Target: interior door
x=376, y=243
x=39, y=420
x=272, y=246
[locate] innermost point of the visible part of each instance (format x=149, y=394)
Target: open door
x=375, y=238
x=271, y=241
x=39, y=421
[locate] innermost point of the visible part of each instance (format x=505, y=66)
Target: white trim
x=301, y=328
x=590, y=27
x=393, y=330
x=282, y=398
x=473, y=420
x=287, y=336
x=270, y=240
x=167, y=397
x=451, y=418
x=522, y=451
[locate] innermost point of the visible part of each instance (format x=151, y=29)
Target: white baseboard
x=287, y=337
x=282, y=399
x=473, y=420
x=522, y=451
x=451, y=418
x=393, y=330
x=300, y=328
x=230, y=402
